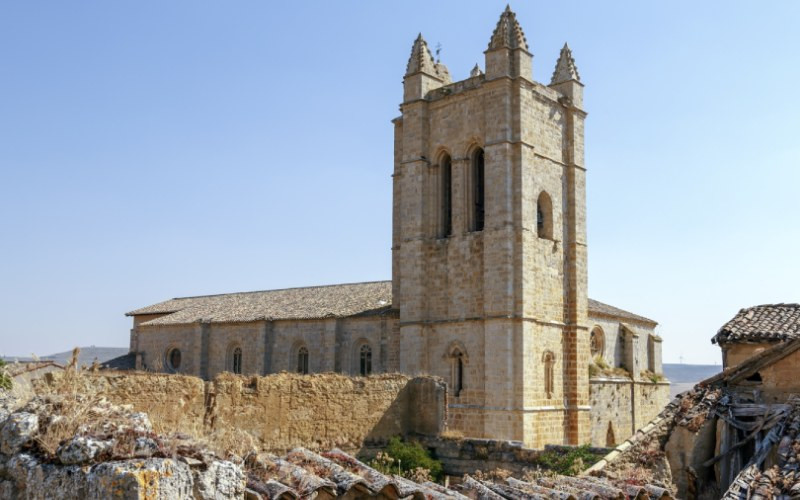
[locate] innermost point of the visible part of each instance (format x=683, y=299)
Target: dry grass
x=652, y=377
x=599, y=367
x=228, y=441
x=71, y=412
x=452, y=434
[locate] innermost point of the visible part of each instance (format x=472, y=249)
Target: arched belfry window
x=446, y=197
x=302, y=360
x=365, y=360
x=544, y=216
x=549, y=361
x=236, y=360
x=478, y=190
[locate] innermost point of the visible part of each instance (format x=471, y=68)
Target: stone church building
x=489, y=272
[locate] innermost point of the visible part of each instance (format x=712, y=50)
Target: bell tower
x=489, y=241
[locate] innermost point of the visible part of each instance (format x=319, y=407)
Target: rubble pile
x=691, y=408
x=74, y=447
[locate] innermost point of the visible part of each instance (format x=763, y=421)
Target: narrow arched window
x=611, y=439
x=544, y=216
x=446, y=197
x=365, y=355
x=236, y=360
x=597, y=342
x=549, y=361
x=302, y=360
x=457, y=372
x=478, y=191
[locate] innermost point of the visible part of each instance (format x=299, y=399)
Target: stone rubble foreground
x=114, y=453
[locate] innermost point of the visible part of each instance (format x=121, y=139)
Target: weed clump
x=5, y=378
x=408, y=459
x=569, y=463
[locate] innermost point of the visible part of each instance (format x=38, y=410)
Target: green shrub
x=5, y=378
x=407, y=458
x=568, y=463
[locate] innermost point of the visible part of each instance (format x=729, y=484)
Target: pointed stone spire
x=508, y=33
x=565, y=68
x=476, y=71
x=421, y=60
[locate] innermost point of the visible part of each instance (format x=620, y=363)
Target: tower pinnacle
x=421, y=60
x=565, y=68
x=508, y=33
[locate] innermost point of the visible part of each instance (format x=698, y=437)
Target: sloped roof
x=305, y=474
x=765, y=323
x=600, y=309
x=290, y=303
x=315, y=302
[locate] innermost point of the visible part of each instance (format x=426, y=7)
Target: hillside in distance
x=86, y=356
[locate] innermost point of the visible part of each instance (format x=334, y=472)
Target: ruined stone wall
x=174, y=402
x=623, y=406
x=282, y=411
x=779, y=380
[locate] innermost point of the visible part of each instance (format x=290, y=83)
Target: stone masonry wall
x=623, y=406
x=282, y=411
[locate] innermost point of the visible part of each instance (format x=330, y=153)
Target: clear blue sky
x=158, y=149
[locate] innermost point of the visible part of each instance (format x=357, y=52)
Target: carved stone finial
x=508, y=33
x=421, y=60
x=476, y=71
x=565, y=68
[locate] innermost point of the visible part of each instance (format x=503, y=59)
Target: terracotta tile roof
x=315, y=302
x=291, y=303
x=600, y=309
x=770, y=322
x=305, y=474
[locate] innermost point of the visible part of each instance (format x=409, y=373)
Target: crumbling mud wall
x=174, y=402
x=325, y=411
x=280, y=411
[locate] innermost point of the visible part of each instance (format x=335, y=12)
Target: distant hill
x=86, y=356
x=684, y=377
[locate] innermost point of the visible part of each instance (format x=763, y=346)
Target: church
x=489, y=272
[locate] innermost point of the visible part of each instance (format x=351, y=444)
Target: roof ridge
x=779, y=304
x=281, y=289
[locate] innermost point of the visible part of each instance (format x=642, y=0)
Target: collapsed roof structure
x=734, y=435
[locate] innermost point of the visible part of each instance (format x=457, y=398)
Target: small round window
x=174, y=358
